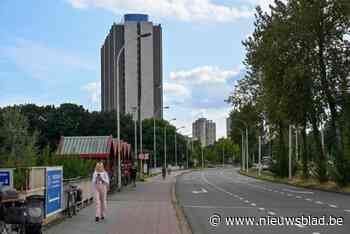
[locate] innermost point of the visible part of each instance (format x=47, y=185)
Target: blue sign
x=54, y=186
x=5, y=178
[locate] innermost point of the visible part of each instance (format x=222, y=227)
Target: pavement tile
x=146, y=209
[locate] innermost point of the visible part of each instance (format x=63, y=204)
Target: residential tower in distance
x=205, y=131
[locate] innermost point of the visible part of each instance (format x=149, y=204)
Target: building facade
x=140, y=70
x=205, y=131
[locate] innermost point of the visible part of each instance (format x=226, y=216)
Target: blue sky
x=50, y=51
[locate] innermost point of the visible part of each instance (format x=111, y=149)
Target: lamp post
x=176, y=144
x=242, y=150
x=135, y=130
x=117, y=97
x=154, y=138
x=165, y=163
x=246, y=149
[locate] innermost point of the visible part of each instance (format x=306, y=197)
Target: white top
x=104, y=177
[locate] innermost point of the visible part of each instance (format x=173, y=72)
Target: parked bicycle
x=18, y=215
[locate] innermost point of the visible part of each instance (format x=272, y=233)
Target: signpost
x=54, y=190
x=6, y=177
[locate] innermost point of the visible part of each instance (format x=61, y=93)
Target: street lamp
x=176, y=144
x=154, y=137
x=246, y=149
x=117, y=97
x=165, y=163
x=134, y=108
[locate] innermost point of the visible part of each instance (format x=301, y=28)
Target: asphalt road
x=226, y=193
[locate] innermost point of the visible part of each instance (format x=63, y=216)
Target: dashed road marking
x=253, y=204
x=298, y=197
x=347, y=211
x=319, y=202
x=333, y=206
x=246, y=201
x=300, y=225
x=308, y=199
x=261, y=208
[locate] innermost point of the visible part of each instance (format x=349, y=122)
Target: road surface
x=220, y=193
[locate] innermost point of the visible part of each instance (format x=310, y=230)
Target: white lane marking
x=253, y=204
x=200, y=191
x=289, y=195
x=261, y=208
x=333, y=206
x=219, y=207
x=246, y=201
x=297, y=191
x=298, y=197
x=308, y=199
x=281, y=192
x=271, y=213
x=319, y=202
x=316, y=233
x=300, y=225
x=347, y=211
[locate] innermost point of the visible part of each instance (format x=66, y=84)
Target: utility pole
x=223, y=155
x=290, y=153
x=243, y=152
x=259, y=156
x=175, y=148
x=247, y=148
x=296, y=144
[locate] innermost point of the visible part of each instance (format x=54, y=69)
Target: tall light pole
x=176, y=144
x=242, y=150
x=246, y=148
x=259, y=170
x=117, y=97
x=165, y=163
x=154, y=138
x=135, y=130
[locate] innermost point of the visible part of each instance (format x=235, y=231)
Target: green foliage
x=298, y=74
x=18, y=145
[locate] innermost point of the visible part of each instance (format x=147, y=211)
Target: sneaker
x=97, y=219
x=102, y=218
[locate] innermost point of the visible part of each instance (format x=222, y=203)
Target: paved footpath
x=146, y=209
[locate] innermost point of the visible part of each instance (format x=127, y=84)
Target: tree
x=18, y=146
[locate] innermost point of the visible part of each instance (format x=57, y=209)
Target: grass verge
x=311, y=183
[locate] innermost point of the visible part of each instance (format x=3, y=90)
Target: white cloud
x=185, y=10
x=264, y=4
x=94, y=90
x=176, y=89
x=205, y=74
x=43, y=62
x=200, y=92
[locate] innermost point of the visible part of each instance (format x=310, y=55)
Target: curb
x=296, y=185
x=184, y=226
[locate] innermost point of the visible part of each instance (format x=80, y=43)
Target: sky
x=50, y=52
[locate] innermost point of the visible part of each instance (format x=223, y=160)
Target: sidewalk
x=146, y=209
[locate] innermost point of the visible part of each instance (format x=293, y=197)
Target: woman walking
x=100, y=183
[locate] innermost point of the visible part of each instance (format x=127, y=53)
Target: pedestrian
x=100, y=183
x=134, y=174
